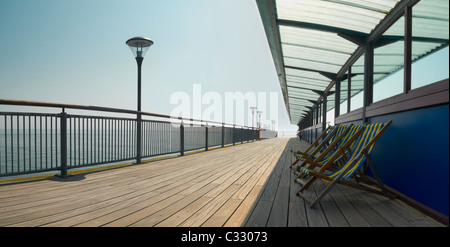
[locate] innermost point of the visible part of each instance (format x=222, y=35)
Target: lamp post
x=253, y=108
x=139, y=46
x=259, y=123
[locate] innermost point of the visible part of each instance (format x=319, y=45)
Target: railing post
x=223, y=134
x=234, y=128
x=206, y=136
x=63, y=141
x=181, y=138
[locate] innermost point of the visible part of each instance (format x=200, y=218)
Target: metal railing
x=41, y=142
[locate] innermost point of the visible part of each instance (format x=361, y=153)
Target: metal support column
x=368, y=78
x=408, y=50
x=324, y=112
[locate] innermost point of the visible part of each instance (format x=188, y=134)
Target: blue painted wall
x=412, y=156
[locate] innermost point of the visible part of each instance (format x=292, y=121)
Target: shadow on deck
x=279, y=206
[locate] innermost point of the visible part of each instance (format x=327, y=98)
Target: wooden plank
x=351, y=214
x=212, y=206
x=177, y=218
x=260, y=214
x=279, y=213
x=379, y=204
x=334, y=216
x=223, y=214
x=364, y=209
x=158, y=216
x=297, y=214
x=241, y=214
x=316, y=216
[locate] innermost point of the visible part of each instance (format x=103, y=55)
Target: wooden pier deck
x=243, y=185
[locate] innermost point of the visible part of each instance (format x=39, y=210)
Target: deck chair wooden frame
x=325, y=146
x=346, y=171
x=316, y=144
x=342, y=145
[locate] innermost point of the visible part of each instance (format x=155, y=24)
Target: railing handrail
x=104, y=109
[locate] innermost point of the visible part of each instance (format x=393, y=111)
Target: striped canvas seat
x=334, y=135
x=348, y=141
x=360, y=151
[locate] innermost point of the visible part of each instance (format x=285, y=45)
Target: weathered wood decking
x=243, y=185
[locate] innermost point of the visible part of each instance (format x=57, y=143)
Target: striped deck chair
x=335, y=133
x=317, y=144
x=359, y=155
x=346, y=140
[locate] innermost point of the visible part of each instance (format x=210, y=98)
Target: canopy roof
x=314, y=42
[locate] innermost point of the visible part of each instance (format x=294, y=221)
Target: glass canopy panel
x=431, y=19
x=305, y=85
x=306, y=93
x=311, y=65
x=360, y=16
x=304, y=98
x=430, y=41
x=299, y=102
x=306, y=74
x=298, y=114
x=303, y=37
x=313, y=54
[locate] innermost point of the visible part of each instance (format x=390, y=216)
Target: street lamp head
x=139, y=45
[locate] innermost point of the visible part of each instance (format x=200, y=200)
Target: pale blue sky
x=74, y=51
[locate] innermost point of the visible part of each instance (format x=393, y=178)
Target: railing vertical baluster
x=116, y=141
x=109, y=154
x=56, y=142
x=51, y=142
x=6, y=144
x=79, y=141
x=70, y=143
x=18, y=151
x=120, y=137
x=95, y=141
x=40, y=141
x=29, y=143
x=91, y=144
x=103, y=139
x=46, y=152
x=23, y=142
x=35, y=143
x=84, y=143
